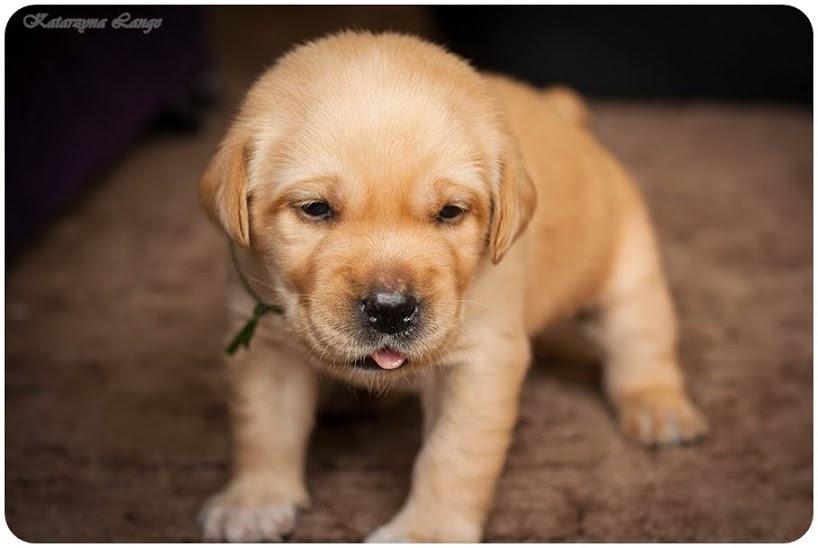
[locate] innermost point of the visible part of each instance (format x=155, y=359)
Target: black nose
x=389, y=311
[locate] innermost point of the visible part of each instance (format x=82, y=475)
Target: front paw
x=432, y=529
x=249, y=511
x=390, y=533
x=660, y=416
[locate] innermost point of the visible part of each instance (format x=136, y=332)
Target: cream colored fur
x=388, y=129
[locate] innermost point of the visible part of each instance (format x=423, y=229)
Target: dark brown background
x=115, y=426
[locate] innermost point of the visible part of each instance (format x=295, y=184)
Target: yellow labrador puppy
x=416, y=222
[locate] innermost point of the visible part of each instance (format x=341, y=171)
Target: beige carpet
x=116, y=430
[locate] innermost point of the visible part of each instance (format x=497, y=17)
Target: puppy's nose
x=389, y=311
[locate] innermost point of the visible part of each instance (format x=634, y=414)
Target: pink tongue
x=388, y=359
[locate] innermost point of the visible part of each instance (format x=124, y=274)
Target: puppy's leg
x=272, y=406
x=637, y=331
x=470, y=413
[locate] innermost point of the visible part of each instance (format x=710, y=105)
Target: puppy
x=416, y=222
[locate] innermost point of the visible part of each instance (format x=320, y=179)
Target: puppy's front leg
x=471, y=410
x=272, y=406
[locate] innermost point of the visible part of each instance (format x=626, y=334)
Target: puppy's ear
x=223, y=189
x=513, y=202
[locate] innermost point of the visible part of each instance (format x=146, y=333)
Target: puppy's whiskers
x=260, y=282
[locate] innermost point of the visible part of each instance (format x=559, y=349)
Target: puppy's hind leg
x=636, y=328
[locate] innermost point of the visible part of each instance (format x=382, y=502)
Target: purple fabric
x=74, y=100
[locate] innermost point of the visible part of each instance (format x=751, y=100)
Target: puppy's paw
x=434, y=529
x=660, y=416
x=249, y=512
x=390, y=533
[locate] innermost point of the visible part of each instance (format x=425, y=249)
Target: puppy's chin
x=377, y=364
x=369, y=366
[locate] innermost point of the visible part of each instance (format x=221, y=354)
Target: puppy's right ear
x=223, y=189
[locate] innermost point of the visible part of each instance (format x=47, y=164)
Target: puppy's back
x=583, y=197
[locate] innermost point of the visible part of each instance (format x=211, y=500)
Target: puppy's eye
x=450, y=213
x=316, y=210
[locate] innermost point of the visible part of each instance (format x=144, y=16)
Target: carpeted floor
x=116, y=430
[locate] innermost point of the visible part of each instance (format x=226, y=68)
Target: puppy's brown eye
x=317, y=210
x=450, y=213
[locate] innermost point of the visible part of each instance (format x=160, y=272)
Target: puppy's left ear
x=514, y=200
x=223, y=189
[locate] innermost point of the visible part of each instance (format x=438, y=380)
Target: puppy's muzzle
x=390, y=312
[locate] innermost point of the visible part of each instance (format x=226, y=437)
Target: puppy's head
x=371, y=175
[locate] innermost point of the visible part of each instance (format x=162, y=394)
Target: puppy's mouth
x=385, y=358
